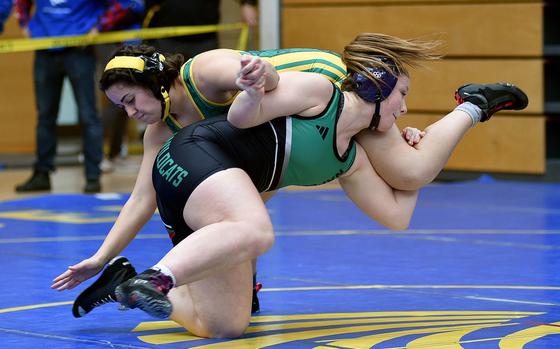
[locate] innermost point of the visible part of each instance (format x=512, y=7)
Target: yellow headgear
x=143, y=64
x=140, y=63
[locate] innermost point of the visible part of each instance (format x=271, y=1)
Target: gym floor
x=478, y=268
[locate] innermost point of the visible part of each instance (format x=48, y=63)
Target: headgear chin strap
x=141, y=64
x=376, y=117
x=376, y=93
x=165, y=104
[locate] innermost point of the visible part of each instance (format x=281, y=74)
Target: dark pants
x=50, y=68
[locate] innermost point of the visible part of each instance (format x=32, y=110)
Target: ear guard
x=370, y=92
x=141, y=64
x=387, y=80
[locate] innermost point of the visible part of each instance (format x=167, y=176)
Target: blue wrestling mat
x=478, y=268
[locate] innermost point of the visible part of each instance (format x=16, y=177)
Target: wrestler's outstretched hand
x=76, y=274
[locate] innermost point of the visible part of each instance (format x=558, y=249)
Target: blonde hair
x=366, y=50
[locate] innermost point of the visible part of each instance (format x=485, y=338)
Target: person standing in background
x=52, y=18
x=171, y=13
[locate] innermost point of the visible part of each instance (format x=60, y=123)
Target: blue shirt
x=75, y=17
x=5, y=9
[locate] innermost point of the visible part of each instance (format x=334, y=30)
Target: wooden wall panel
x=472, y=29
x=513, y=144
x=17, y=99
x=432, y=87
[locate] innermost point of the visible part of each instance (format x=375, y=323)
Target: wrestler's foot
x=491, y=98
x=147, y=291
x=102, y=291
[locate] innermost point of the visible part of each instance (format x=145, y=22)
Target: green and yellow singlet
x=323, y=62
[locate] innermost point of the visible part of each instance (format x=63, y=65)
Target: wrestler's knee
x=259, y=235
x=413, y=178
x=225, y=328
x=231, y=330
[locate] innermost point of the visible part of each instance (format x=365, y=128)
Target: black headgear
x=375, y=93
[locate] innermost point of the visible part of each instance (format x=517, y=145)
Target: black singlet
x=204, y=148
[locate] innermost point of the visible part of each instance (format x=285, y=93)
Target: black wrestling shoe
x=102, y=291
x=255, y=306
x=492, y=97
x=147, y=291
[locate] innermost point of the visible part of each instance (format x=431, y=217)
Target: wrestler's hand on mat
x=76, y=274
x=252, y=76
x=412, y=135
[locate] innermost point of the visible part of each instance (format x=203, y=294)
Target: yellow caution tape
x=20, y=45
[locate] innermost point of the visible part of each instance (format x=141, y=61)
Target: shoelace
x=105, y=300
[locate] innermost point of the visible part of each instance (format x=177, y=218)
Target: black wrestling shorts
x=202, y=149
